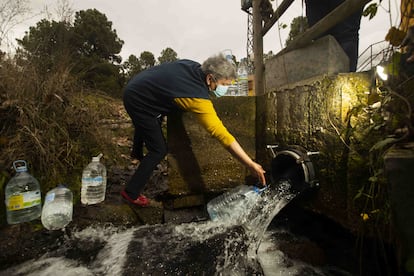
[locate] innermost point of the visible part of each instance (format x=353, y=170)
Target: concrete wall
x=198, y=163
x=316, y=115
x=323, y=57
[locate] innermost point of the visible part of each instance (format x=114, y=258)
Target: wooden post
x=276, y=15
x=258, y=49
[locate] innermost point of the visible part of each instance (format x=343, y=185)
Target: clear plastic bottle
x=93, y=182
x=242, y=79
x=232, y=91
x=234, y=204
x=23, y=196
x=58, y=208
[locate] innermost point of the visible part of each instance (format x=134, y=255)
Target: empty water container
x=58, y=208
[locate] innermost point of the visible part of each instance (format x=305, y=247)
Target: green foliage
x=94, y=36
x=167, y=55
x=101, y=75
x=147, y=60
x=131, y=67
x=371, y=10
x=98, y=46
x=389, y=114
x=89, y=47
x=46, y=44
x=52, y=123
x=282, y=26
x=297, y=26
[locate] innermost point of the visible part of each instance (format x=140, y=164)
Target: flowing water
x=202, y=248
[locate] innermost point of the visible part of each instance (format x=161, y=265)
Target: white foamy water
x=274, y=262
x=203, y=248
x=109, y=260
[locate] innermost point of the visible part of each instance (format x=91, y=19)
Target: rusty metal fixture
x=293, y=164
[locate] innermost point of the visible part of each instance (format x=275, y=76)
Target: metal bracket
x=272, y=147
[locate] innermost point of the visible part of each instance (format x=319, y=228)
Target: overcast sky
x=196, y=29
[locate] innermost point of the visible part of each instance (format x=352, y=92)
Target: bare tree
x=12, y=13
x=63, y=11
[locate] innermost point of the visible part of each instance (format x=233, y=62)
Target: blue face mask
x=221, y=90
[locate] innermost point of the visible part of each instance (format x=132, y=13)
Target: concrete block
x=323, y=57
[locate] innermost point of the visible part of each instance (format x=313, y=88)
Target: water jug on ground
x=22, y=194
x=93, y=182
x=58, y=208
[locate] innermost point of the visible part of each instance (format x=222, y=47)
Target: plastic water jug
x=58, y=208
x=233, y=89
x=22, y=195
x=242, y=79
x=234, y=204
x=93, y=182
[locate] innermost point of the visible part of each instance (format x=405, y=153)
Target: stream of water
x=202, y=248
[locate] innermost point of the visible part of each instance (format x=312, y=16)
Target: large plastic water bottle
x=58, y=208
x=242, y=79
x=233, y=89
x=22, y=194
x=234, y=204
x=93, y=182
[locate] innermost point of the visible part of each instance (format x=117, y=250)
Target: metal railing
x=375, y=54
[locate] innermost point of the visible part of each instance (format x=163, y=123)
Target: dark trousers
x=345, y=32
x=147, y=131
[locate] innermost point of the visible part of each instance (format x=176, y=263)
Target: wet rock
x=302, y=249
x=152, y=214
x=104, y=213
x=185, y=201
x=185, y=215
x=24, y=241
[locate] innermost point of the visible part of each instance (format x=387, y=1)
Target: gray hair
x=220, y=67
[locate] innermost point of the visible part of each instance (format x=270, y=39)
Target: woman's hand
x=259, y=172
x=236, y=150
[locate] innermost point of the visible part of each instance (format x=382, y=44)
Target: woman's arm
x=208, y=118
x=237, y=151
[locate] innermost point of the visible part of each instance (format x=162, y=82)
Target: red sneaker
x=141, y=200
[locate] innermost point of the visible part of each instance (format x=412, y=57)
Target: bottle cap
x=21, y=168
x=97, y=158
x=259, y=190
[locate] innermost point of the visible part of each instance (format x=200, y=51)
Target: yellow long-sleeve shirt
x=207, y=116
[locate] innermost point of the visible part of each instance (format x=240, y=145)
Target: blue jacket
x=153, y=91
